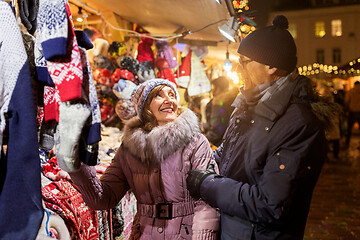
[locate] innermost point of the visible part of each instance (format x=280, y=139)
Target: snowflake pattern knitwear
x=49, y=104
x=52, y=30
x=20, y=202
x=12, y=59
x=59, y=44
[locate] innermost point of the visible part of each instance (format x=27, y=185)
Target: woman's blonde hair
x=148, y=118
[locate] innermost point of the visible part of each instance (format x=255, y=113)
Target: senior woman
x=160, y=145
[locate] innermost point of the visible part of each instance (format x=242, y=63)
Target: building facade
x=325, y=32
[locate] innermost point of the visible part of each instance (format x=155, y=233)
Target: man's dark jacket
x=270, y=160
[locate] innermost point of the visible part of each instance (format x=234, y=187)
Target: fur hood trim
x=162, y=141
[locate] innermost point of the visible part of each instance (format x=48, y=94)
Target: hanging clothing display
x=63, y=198
x=33, y=115
x=199, y=82
x=182, y=75
x=21, y=211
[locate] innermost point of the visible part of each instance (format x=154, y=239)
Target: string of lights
x=351, y=68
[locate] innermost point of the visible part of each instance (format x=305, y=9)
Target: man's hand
x=196, y=177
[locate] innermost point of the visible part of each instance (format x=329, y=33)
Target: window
x=292, y=29
x=320, y=29
x=336, y=30
x=320, y=56
x=336, y=55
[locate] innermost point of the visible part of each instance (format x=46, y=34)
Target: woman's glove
x=72, y=118
x=196, y=177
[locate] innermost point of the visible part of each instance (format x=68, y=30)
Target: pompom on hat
x=140, y=94
x=273, y=45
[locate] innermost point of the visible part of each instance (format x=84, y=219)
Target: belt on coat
x=166, y=210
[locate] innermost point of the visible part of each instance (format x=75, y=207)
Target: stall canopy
x=197, y=20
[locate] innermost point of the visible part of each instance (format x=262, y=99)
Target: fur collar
x=155, y=146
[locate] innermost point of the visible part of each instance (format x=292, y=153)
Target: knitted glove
x=72, y=118
x=196, y=177
x=28, y=12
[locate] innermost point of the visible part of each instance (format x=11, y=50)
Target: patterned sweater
x=20, y=185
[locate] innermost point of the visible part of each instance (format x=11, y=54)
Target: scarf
x=268, y=100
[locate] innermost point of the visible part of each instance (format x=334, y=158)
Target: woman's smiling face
x=164, y=106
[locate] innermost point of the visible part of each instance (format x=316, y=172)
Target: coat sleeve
x=292, y=169
x=206, y=218
x=106, y=192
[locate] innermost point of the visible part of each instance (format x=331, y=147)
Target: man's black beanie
x=273, y=45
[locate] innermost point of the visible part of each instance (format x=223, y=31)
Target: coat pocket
x=185, y=231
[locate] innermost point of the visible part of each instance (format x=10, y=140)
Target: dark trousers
x=352, y=119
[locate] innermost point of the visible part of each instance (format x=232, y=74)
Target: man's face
x=254, y=73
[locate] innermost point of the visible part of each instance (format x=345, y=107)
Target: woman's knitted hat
x=140, y=94
x=273, y=45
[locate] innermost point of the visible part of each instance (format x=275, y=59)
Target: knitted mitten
x=72, y=119
x=28, y=10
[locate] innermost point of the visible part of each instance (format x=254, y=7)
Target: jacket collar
x=162, y=141
x=275, y=101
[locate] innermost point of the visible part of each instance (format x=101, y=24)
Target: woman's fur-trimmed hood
x=162, y=141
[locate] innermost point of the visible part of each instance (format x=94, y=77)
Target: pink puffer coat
x=154, y=166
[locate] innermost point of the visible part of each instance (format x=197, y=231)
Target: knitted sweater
x=20, y=188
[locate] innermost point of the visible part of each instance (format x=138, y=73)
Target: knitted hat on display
x=273, y=45
x=125, y=109
x=117, y=49
x=124, y=88
x=146, y=71
x=103, y=76
x=122, y=74
x=165, y=51
x=145, y=53
x=130, y=64
x=141, y=93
